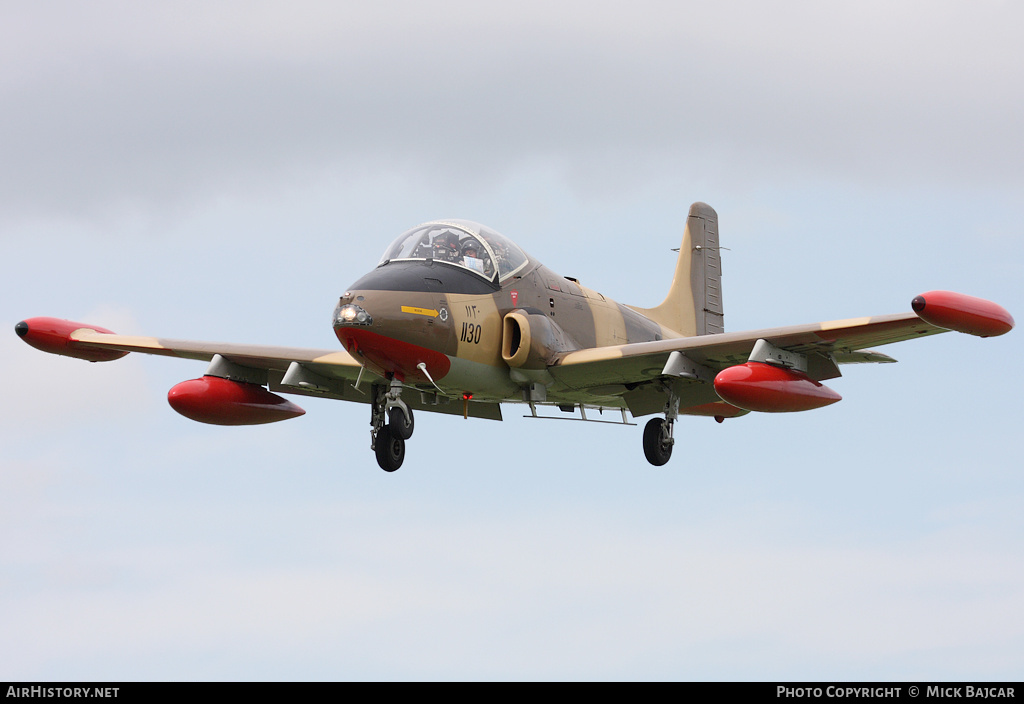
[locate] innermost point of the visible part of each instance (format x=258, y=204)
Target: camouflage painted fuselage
x=452, y=321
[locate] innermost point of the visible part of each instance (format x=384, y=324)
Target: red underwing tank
x=756, y=386
x=218, y=401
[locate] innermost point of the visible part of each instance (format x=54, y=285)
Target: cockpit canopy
x=462, y=243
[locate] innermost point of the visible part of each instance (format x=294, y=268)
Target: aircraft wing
x=642, y=361
x=308, y=372
x=624, y=370
x=333, y=365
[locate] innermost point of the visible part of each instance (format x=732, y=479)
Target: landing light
x=351, y=314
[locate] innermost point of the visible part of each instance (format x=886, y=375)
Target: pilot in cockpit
x=472, y=259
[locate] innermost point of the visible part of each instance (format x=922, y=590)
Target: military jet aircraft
x=458, y=319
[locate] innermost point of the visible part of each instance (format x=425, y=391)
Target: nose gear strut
x=388, y=441
x=399, y=414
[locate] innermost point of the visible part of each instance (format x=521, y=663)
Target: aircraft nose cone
x=21, y=328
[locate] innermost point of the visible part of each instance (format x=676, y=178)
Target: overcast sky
x=223, y=171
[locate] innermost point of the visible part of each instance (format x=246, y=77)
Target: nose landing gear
x=400, y=421
x=388, y=441
x=390, y=449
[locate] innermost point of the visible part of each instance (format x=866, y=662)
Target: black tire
x=396, y=419
x=657, y=448
x=390, y=450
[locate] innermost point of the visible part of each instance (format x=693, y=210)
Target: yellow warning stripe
x=420, y=311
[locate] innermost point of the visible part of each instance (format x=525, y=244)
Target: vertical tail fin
x=693, y=305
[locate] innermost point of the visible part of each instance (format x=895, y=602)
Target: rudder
x=693, y=305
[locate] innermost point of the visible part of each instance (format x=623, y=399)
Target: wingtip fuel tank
x=56, y=336
x=956, y=311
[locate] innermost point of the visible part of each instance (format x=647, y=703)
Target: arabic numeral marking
x=471, y=333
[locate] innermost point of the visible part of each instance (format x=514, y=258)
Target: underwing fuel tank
x=218, y=401
x=757, y=386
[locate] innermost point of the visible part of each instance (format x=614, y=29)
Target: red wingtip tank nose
x=54, y=335
x=955, y=311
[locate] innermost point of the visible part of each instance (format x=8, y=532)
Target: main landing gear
x=658, y=441
x=658, y=433
x=388, y=441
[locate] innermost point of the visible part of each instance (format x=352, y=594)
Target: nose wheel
x=401, y=421
x=390, y=449
x=388, y=441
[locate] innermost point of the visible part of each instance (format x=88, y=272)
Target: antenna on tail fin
x=693, y=305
